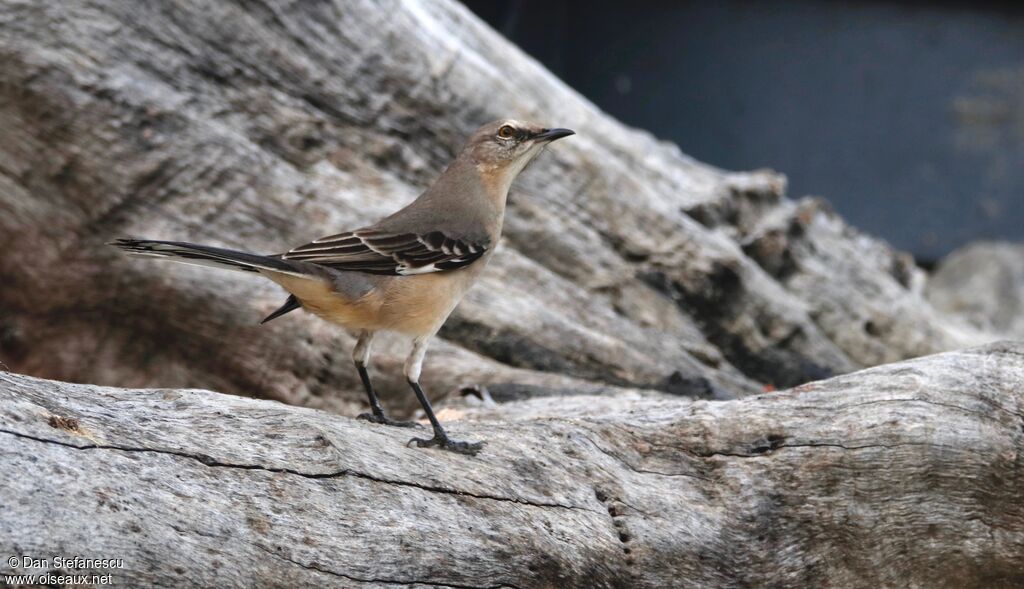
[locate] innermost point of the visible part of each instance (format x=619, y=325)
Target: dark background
x=908, y=116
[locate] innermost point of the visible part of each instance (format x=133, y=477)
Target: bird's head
x=506, y=146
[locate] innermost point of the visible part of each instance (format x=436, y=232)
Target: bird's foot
x=443, y=442
x=385, y=420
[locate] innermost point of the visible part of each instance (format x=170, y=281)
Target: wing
x=377, y=252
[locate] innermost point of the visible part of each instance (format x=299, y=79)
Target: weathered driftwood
x=983, y=283
x=260, y=125
x=906, y=475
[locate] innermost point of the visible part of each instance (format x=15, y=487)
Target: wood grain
x=262, y=125
x=906, y=475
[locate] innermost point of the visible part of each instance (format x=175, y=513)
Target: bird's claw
x=385, y=420
x=445, y=443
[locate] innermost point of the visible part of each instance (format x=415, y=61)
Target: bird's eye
x=506, y=131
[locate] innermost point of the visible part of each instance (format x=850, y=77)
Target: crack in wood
x=316, y=567
x=211, y=462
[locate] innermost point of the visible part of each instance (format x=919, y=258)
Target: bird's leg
x=361, y=356
x=413, y=365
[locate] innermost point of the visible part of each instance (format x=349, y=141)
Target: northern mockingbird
x=405, y=273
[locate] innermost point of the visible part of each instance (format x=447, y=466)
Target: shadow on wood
x=625, y=264
x=901, y=475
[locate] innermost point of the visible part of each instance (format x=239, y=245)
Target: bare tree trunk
x=260, y=125
x=907, y=475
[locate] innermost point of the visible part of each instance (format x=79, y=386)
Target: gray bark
x=630, y=275
x=906, y=475
x=258, y=125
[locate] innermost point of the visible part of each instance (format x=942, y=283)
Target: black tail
x=204, y=255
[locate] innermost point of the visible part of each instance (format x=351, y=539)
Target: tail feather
x=204, y=255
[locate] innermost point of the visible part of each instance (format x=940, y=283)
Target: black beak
x=549, y=135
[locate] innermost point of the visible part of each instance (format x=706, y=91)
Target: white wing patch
x=402, y=254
